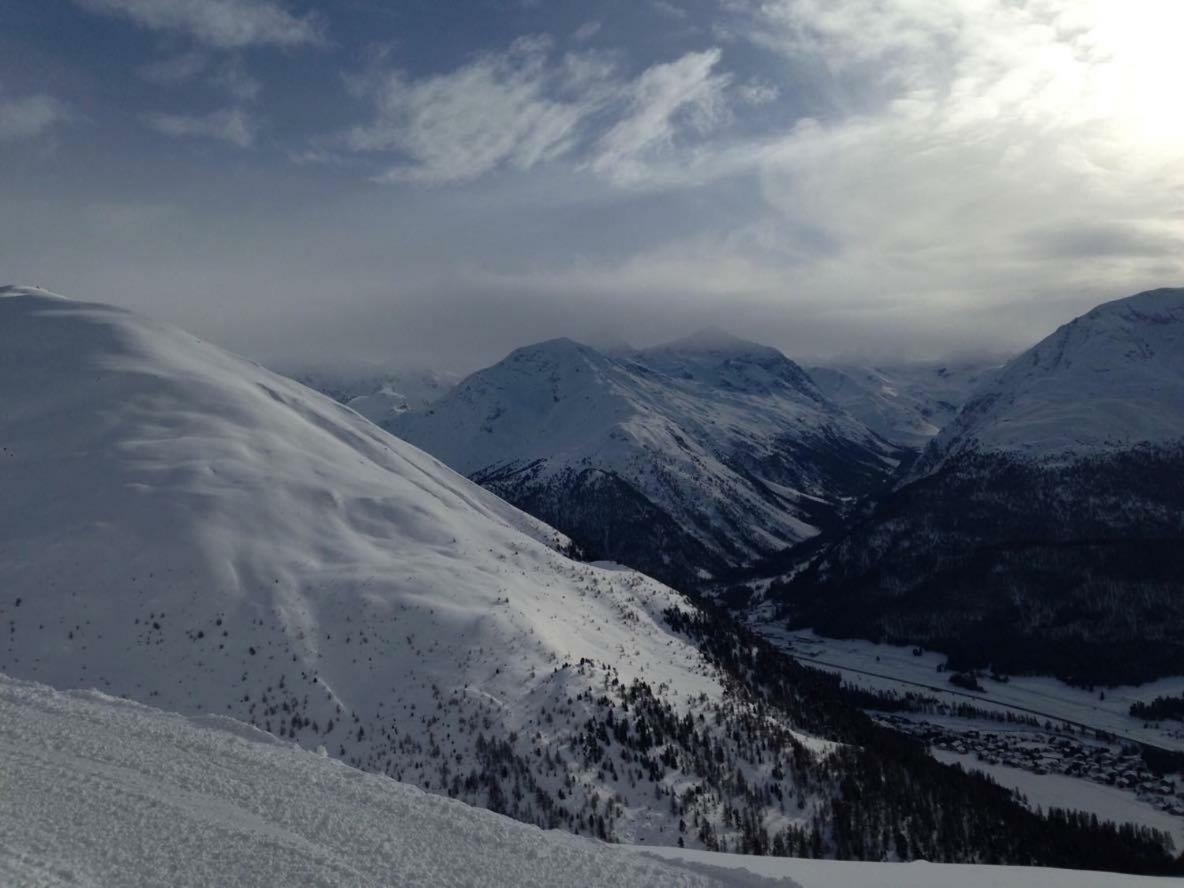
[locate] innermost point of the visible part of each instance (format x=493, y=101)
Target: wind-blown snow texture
x=98, y=791
x=681, y=460
x=185, y=528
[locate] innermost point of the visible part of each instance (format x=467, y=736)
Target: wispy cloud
x=29, y=116
x=666, y=98
x=502, y=109
x=233, y=125
x=525, y=106
x=223, y=24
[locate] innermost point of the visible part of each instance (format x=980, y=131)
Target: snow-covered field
x=1047, y=791
x=96, y=791
x=894, y=667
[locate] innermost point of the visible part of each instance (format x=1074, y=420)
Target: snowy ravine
x=99, y=791
x=907, y=404
x=186, y=529
x=683, y=460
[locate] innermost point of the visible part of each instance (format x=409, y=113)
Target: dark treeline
x=888, y=796
x=1068, y=570
x=1159, y=709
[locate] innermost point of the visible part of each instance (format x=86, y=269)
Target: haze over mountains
x=187, y=529
x=1043, y=529
x=683, y=460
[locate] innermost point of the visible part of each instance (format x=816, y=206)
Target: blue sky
x=438, y=182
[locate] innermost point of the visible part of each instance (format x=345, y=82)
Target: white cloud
x=29, y=116
x=224, y=24
x=758, y=92
x=586, y=31
x=665, y=99
x=502, y=109
x=521, y=108
x=231, y=125
x=972, y=153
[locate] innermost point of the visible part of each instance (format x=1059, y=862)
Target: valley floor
x=100, y=791
x=1034, y=734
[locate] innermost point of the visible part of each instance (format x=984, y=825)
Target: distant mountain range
x=186, y=529
x=1043, y=529
x=685, y=460
x=907, y=404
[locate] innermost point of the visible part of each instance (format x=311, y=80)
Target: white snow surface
x=666, y=419
x=1047, y=791
x=1108, y=380
x=187, y=529
x=100, y=791
x=907, y=404
x=97, y=791
x=919, y=874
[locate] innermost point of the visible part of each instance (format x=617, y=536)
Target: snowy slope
x=702, y=453
x=907, y=404
x=1108, y=380
x=184, y=528
x=98, y=791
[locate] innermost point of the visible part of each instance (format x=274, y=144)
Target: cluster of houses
x=1052, y=753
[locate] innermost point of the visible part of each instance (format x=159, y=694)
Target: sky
x=435, y=182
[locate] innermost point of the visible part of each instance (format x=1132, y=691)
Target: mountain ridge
x=726, y=448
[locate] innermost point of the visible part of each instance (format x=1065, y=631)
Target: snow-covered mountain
x=1109, y=381
x=907, y=404
x=682, y=460
x=379, y=393
x=1043, y=528
x=99, y=791
x=183, y=527
x=186, y=529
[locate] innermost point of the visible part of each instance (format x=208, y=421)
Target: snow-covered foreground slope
x=96, y=791
x=682, y=460
x=907, y=404
x=99, y=791
x=920, y=874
